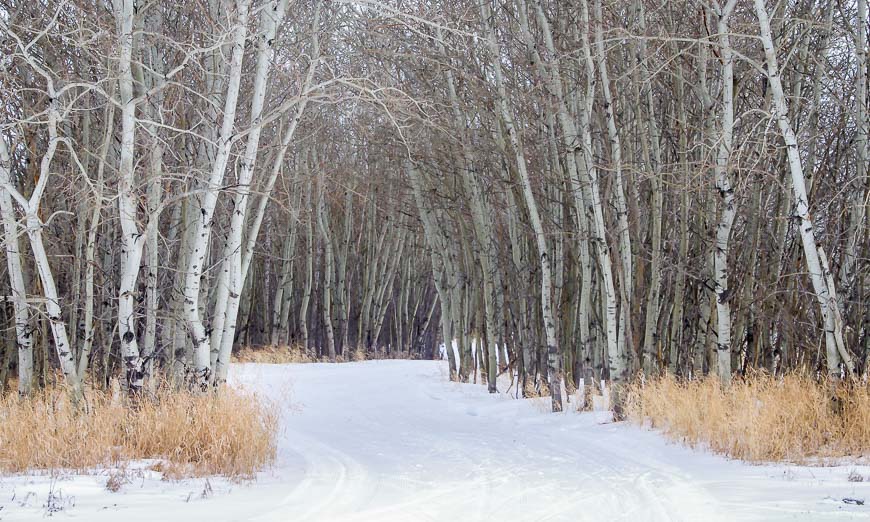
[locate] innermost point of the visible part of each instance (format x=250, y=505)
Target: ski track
x=394, y=441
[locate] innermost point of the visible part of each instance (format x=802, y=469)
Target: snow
x=500, y=354
x=394, y=441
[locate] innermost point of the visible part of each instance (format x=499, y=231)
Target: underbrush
x=271, y=354
x=761, y=418
x=230, y=432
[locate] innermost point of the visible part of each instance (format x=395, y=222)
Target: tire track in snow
x=333, y=481
x=393, y=441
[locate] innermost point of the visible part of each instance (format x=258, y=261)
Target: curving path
x=392, y=441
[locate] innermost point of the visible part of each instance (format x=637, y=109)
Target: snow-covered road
x=393, y=441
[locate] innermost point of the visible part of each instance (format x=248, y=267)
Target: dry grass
x=533, y=390
x=763, y=418
x=296, y=354
x=273, y=355
x=230, y=432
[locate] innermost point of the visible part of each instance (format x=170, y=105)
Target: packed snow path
x=394, y=441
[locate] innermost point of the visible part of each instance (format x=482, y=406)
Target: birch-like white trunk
x=590, y=188
x=91, y=244
x=284, y=291
x=154, y=21
x=309, y=270
x=801, y=199
x=505, y=112
x=230, y=279
x=619, y=190
x=132, y=240
x=198, y=258
x=436, y=240
x=329, y=264
x=23, y=328
x=485, y=248
x=585, y=190
x=651, y=146
x=33, y=227
x=246, y=251
x=726, y=194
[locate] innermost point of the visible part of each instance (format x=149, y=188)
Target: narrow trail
x=392, y=440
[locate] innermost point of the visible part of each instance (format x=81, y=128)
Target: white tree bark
x=654, y=163
x=590, y=187
x=438, y=256
x=726, y=194
x=133, y=241
x=222, y=362
x=507, y=119
x=195, y=268
x=619, y=190
x=329, y=263
x=33, y=225
x=802, y=207
x=23, y=328
x=230, y=279
x=585, y=190
x=284, y=292
x=91, y=245
x=154, y=21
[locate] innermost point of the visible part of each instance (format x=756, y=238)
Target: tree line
x=583, y=189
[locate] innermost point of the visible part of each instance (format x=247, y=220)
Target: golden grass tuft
x=229, y=432
x=269, y=354
x=532, y=390
x=273, y=355
x=762, y=418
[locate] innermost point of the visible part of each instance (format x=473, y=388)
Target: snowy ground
x=393, y=441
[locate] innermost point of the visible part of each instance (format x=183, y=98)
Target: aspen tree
x=132, y=239
x=654, y=162
x=23, y=328
x=834, y=350
x=726, y=193
x=231, y=279
x=198, y=258
x=625, y=254
x=531, y=205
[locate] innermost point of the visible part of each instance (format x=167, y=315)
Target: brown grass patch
x=533, y=390
x=270, y=354
x=762, y=418
x=273, y=355
x=230, y=432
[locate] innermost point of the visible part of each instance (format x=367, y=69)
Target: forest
x=556, y=192
x=654, y=209
x=597, y=188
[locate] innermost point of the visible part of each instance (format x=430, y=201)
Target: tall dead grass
x=297, y=355
x=762, y=418
x=230, y=432
x=273, y=355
